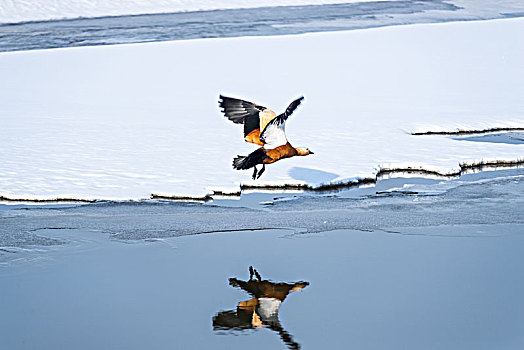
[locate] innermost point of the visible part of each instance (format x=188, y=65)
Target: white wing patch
x=274, y=134
x=268, y=308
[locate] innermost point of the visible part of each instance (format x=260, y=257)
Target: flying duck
x=264, y=128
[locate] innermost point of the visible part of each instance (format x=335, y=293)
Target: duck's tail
x=246, y=162
x=239, y=162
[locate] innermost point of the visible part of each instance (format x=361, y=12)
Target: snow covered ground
x=126, y=121
x=12, y=11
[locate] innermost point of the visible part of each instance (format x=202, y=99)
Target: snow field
x=123, y=122
x=12, y=11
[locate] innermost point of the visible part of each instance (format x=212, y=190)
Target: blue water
x=512, y=138
x=241, y=22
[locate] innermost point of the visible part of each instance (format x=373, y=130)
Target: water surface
x=452, y=287
x=411, y=263
x=244, y=22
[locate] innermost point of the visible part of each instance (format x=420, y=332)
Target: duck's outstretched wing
x=291, y=108
x=274, y=134
x=241, y=112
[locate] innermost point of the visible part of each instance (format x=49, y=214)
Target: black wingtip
x=298, y=100
x=292, y=106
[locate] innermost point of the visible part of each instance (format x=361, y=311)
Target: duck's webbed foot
x=261, y=171
x=254, y=173
x=259, y=278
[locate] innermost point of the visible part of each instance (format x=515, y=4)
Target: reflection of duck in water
x=260, y=311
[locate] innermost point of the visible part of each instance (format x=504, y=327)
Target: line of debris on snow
x=460, y=132
x=49, y=200
x=331, y=187
x=463, y=168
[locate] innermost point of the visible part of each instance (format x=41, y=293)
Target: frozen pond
x=490, y=197
x=245, y=22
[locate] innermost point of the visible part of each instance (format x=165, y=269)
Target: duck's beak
x=311, y=152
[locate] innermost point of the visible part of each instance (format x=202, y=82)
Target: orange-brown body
x=254, y=137
x=264, y=128
x=281, y=152
x=267, y=289
x=259, y=312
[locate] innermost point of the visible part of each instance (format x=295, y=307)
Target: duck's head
x=303, y=151
x=299, y=286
